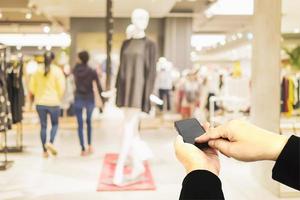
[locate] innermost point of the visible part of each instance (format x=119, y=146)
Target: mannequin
x=130, y=31
x=164, y=80
x=134, y=85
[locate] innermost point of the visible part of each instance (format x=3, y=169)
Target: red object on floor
x=144, y=182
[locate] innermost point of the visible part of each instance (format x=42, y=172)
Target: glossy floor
x=70, y=176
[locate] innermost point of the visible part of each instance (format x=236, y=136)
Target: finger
x=221, y=145
x=213, y=133
x=210, y=151
x=203, y=138
x=178, y=141
x=206, y=126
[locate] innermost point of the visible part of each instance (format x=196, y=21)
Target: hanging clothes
x=137, y=72
x=290, y=99
x=15, y=90
x=290, y=102
x=284, y=94
x=297, y=93
x=5, y=112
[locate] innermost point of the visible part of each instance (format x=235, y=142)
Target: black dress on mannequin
x=137, y=72
x=5, y=111
x=15, y=90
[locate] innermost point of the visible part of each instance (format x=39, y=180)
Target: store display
x=135, y=83
x=15, y=88
x=290, y=94
x=165, y=67
x=165, y=81
x=5, y=112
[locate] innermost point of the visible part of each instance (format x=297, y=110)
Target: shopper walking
x=84, y=78
x=47, y=87
x=242, y=141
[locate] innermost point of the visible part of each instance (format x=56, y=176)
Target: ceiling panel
x=222, y=24
x=96, y=8
x=13, y=3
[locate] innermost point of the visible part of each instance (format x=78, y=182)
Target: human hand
x=192, y=158
x=244, y=141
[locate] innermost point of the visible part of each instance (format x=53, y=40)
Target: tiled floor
x=70, y=176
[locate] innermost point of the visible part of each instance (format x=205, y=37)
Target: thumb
x=178, y=141
x=221, y=145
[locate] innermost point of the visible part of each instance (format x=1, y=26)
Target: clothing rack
x=18, y=124
x=19, y=141
x=5, y=164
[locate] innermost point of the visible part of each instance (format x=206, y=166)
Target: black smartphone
x=190, y=129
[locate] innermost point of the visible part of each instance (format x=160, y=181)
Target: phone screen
x=190, y=129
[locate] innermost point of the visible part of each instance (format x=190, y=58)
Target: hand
x=245, y=142
x=192, y=158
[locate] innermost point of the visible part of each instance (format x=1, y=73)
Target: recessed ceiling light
x=240, y=35
x=208, y=14
x=46, y=29
x=48, y=47
x=28, y=15
x=250, y=36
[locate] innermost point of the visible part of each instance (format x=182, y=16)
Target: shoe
x=46, y=154
x=90, y=150
x=84, y=153
x=50, y=147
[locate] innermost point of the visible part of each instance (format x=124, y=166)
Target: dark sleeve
x=287, y=166
x=150, y=74
x=201, y=184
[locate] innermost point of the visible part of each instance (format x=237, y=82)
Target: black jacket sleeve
x=287, y=166
x=201, y=184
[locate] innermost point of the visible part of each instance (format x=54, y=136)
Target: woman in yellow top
x=47, y=86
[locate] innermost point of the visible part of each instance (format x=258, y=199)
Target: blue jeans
x=54, y=112
x=79, y=105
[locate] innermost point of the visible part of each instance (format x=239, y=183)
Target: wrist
x=195, y=167
x=276, y=147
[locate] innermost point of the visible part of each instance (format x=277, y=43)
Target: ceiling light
x=1, y=15
x=46, y=29
x=206, y=40
x=232, y=7
x=28, y=15
x=55, y=40
x=208, y=14
x=199, y=48
x=48, y=47
x=296, y=30
x=240, y=35
x=250, y=36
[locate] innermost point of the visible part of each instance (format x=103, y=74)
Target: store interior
x=213, y=60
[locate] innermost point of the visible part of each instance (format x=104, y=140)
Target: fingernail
x=211, y=143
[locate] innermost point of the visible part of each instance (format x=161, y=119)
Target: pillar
x=177, y=41
x=265, y=85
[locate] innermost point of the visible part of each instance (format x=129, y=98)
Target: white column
x=177, y=41
x=265, y=85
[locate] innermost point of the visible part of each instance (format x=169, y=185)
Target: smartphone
x=190, y=129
